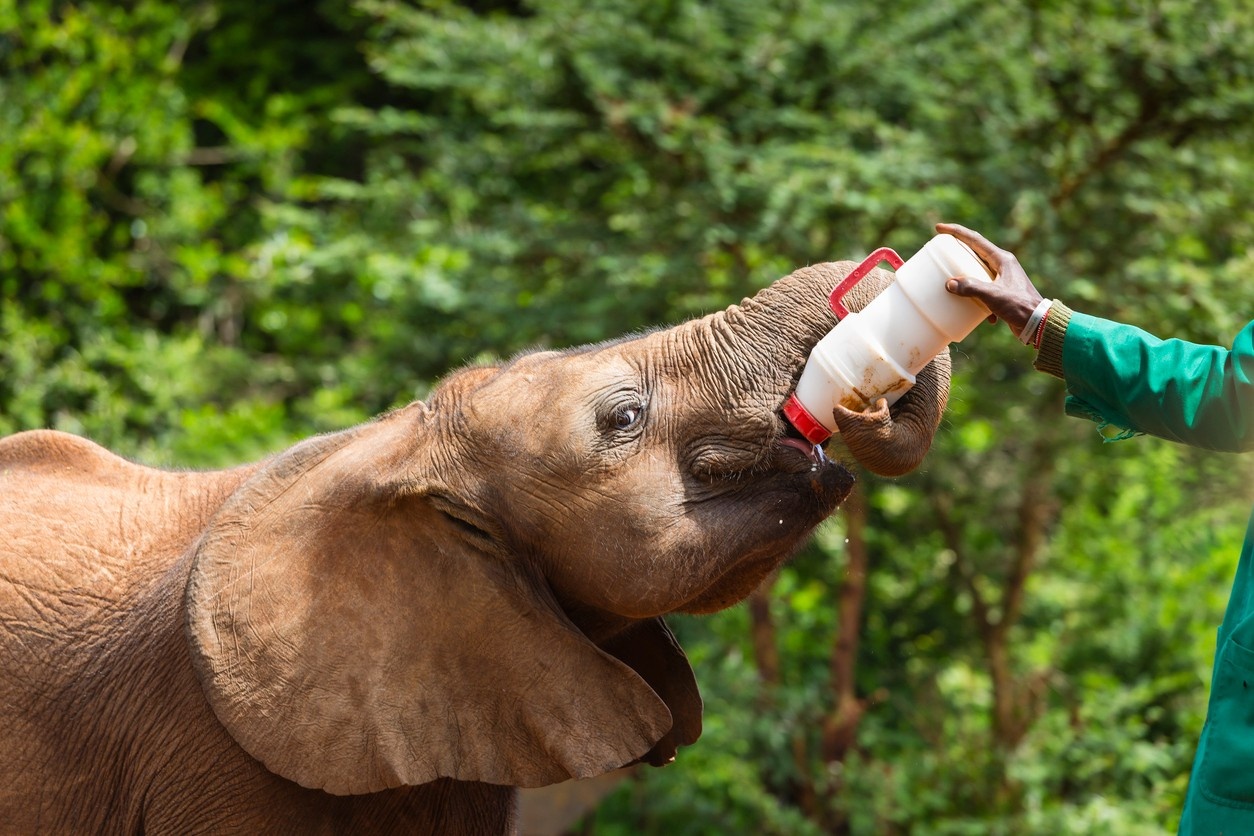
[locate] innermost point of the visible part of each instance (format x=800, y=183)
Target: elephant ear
x=348, y=638
x=650, y=649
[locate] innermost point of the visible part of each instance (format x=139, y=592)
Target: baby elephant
x=392, y=627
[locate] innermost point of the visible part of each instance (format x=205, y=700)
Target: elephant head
x=471, y=587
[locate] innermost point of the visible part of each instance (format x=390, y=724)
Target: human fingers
x=989, y=253
x=1005, y=299
x=1012, y=296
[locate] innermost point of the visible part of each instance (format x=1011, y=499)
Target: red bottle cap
x=806, y=424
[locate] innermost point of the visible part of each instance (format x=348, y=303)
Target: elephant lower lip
x=812, y=451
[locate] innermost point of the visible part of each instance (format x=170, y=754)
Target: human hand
x=1012, y=297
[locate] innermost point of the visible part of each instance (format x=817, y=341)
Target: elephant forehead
x=550, y=396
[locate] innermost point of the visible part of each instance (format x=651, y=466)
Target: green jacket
x=1200, y=395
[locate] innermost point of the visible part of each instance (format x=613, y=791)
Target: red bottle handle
x=837, y=299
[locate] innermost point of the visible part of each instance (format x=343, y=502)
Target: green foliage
x=227, y=225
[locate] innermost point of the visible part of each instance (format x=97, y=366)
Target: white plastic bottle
x=876, y=352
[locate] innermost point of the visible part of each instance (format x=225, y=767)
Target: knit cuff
x=1049, y=358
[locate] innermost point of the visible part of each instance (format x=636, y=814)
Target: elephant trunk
x=782, y=323
x=778, y=327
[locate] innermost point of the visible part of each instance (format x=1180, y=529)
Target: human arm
x=1121, y=376
x=1201, y=395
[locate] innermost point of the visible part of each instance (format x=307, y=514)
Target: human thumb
x=965, y=287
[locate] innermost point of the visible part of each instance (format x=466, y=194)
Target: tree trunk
x=840, y=727
x=1015, y=698
x=762, y=632
x=766, y=657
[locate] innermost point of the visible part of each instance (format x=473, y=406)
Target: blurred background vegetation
x=228, y=224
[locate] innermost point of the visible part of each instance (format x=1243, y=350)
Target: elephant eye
x=626, y=416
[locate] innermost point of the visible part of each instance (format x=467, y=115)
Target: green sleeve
x=1119, y=375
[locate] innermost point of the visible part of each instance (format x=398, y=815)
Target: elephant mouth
x=791, y=439
x=814, y=452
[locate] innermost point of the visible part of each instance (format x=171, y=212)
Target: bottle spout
x=804, y=422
